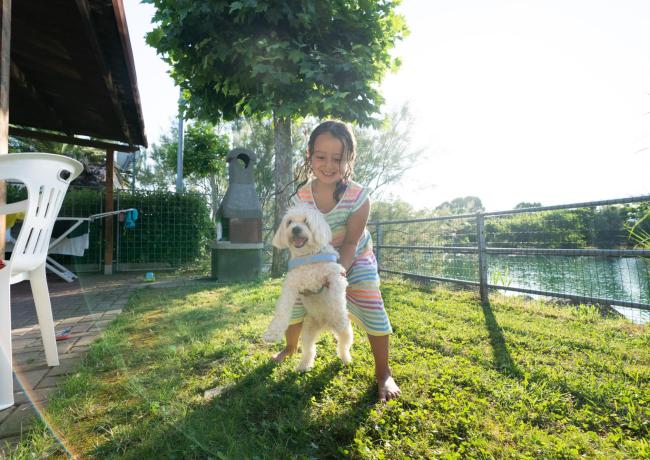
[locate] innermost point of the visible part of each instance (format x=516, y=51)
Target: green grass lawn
x=515, y=380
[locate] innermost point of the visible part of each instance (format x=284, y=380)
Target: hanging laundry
x=130, y=218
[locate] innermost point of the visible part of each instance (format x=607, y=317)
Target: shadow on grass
x=259, y=416
x=269, y=411
x=502, y=360
x=199, y=320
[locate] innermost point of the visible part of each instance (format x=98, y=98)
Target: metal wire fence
x=583, y=252
x=83, y=201
x=171, y=231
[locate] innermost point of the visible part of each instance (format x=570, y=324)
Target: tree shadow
x=503, y=362
x=266, y=414
x=269, y=411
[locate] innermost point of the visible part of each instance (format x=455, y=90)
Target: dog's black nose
x=296, y=231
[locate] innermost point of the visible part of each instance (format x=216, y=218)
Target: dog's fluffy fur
x=305, y=232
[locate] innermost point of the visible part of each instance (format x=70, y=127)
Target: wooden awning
x=72, y=74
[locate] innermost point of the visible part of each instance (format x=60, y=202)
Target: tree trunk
x=214, y=196
x=283, y=175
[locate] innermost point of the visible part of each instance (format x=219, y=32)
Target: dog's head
x=303, y=231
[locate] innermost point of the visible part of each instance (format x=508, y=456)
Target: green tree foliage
x=288, y=58
x=204, y=151
x=461, y=205
x=527, y=204
x=553, y=229
x=204, y=164
x=637, y=225
x=285, y=59
x=608, y=226
x=391, y=209
x=605, y=227
x=152, y=174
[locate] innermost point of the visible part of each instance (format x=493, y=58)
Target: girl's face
x=328, y=160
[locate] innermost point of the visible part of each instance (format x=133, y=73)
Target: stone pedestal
x=236, y=261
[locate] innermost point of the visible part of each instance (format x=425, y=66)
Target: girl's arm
x=355, y=226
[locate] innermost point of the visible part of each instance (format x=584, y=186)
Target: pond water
x=619, y=279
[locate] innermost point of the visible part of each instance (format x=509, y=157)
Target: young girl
x=345, y=206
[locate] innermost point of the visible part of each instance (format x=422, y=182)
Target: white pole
x=179, y=160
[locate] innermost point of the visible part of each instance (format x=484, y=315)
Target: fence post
x=377, y=244
x=117, y=243
x=482, y=258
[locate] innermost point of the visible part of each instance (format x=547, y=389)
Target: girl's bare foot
x=283, y=354
x=388, y=389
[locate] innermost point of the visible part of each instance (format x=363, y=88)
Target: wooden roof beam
x=49, y=136
x=40, y=99
x=91, y=35
x=123, y=29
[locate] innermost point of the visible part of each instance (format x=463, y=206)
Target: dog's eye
x=289, y=222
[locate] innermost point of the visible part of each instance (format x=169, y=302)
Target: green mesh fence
x=172, y=230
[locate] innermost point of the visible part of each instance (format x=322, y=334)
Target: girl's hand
x=307, y=292
x=326, y=284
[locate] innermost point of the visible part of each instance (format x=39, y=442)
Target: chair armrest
x=12, y=208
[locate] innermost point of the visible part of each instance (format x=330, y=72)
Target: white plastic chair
x=46, y=178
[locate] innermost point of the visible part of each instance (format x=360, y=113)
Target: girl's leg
x=292, y=334
x=387, y=387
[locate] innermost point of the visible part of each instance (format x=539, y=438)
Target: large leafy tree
x=283, y=59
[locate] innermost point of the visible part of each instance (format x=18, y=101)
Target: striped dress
x=365, y=304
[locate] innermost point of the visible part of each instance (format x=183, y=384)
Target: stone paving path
x=85, y=306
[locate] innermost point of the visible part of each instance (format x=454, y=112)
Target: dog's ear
x=321, y=230
x=280, y=239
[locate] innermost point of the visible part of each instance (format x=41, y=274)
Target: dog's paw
x=346, y=358
x=304, y=366
x=272, y=335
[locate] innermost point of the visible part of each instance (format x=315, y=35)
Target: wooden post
x=108, y=222
x=5, y=63
x=482, y=259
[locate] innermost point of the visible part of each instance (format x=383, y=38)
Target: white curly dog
x=313, y=268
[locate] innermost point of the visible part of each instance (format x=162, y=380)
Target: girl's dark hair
x=343, y=132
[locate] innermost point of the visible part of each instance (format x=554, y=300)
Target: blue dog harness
x=320, y=257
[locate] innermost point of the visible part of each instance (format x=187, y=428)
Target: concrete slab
x=18, y=421
x=81, y=306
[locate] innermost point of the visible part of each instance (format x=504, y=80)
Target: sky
x=513, y=100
